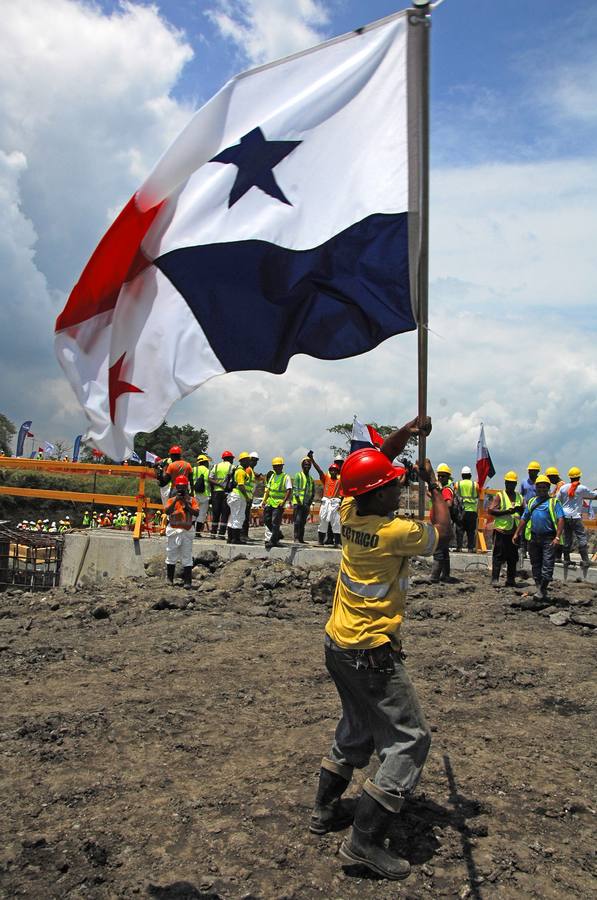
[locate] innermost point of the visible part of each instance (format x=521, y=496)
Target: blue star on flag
x=255, y=158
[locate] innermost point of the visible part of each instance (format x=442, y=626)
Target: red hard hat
x=174, y=450
x=181, y=479
x=365, y=470
x=228, y=453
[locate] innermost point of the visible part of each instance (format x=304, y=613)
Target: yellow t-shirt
x=240, y=477
x=372, y=582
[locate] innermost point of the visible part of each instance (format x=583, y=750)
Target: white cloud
x=85, y=111
x=263, y=30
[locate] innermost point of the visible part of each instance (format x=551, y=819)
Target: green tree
x=344, y=432
x=7, y=432
x=192, y=441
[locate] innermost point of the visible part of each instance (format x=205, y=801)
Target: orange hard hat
x=367, y=469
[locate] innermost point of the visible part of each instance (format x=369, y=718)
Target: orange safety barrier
x=57, y=467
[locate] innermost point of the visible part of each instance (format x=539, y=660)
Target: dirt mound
x=165, y=744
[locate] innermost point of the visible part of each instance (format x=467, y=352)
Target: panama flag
x=485, y=468
x=364, y=436
x=276, y=224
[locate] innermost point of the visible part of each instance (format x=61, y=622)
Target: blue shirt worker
x=542, y=523
x=527, y=488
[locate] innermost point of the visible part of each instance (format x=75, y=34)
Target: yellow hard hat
x=510, y=476
x=552, y=470
x=277, y=461
x=306, y=459
x=444, y=468
x=203, y=456
x=574, y=472
x=534, y=465
x=243, y=455
x=542, y=479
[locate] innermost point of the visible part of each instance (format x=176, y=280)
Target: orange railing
x=55, y=467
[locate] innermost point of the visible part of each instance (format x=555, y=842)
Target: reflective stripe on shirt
x=430, y=547
x=370, y=591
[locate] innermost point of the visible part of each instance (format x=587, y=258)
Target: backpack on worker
x=457, y=508
x=229, y=481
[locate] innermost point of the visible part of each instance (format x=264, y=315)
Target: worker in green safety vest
x=505, y=509
x=277, y=494
x=303, y=492
x=202, y=490
x=220, y=480
x=468, y=490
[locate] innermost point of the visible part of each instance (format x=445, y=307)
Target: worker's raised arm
x=318, y=468
x=395, y=443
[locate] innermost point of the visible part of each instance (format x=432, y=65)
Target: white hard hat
x=253, y=454
x=338, y=458
x=465, y=470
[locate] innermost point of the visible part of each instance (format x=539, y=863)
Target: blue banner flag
x=77, y=447
x=23, y=432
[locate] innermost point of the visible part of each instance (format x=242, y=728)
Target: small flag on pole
x=364, y=436
x=485, y=468
x=151, y=458
x=291, y=193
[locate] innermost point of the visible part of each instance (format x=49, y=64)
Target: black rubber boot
x=337, y=540
x=445, y=576
x=214, y=530
x=541, y=592
x=585, y=562
x=495, y=574
x=321, y=537
x=187, y=577
x=366, y=845
x=436, y=570
x=330, y=813
x=198, y=529
x=170, y=570
x=230, y=536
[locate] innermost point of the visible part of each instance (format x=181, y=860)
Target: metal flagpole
x=421, y=19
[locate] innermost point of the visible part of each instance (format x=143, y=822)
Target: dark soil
x=164, y=744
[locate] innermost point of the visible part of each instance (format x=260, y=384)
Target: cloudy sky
x=91, y=94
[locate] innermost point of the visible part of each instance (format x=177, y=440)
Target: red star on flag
x=116, y=386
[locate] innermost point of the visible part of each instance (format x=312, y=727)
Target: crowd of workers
x=46, y=526
x=543, y=519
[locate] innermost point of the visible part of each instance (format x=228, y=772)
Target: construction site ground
x=161, y=743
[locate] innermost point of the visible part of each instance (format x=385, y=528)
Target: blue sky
x=92, y=93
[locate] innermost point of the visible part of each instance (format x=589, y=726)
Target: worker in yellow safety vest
x=220, y=481
x=277, y=494
x=505, y=509
x=200, y=476
x=303, y=492
x=468, y=490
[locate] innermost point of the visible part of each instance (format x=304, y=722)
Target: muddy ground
x=161, y=744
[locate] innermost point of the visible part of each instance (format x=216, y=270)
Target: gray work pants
x=381, y=713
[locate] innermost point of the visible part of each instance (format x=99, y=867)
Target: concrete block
x=73, y=557
x=96, y=556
